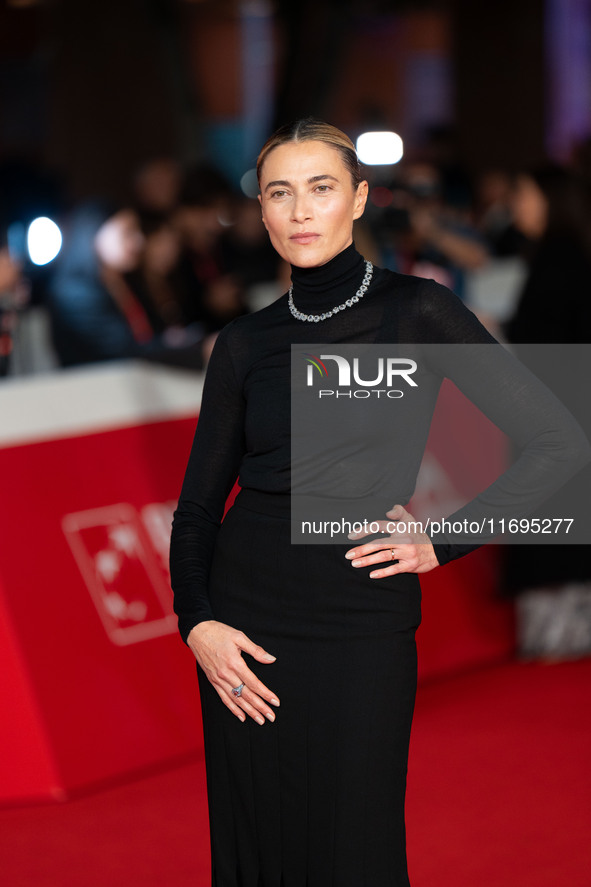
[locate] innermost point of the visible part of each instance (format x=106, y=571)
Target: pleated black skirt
x=315, y=799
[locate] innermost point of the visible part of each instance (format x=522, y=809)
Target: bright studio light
x=44, y=241
x=379, y=148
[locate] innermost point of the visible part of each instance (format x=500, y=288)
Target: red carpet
x=499, y=796
x=500, y=779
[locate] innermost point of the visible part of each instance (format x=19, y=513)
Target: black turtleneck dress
x=316, y=799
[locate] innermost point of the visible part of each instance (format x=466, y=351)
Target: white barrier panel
x=80, y=401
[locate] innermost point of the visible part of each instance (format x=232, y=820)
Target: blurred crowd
x=157, y=278
x=154, y=279
x=515, y=246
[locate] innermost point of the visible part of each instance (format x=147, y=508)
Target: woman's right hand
x=218, y=649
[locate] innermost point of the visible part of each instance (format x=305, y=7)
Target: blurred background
x=149, y=114
x=130, y=234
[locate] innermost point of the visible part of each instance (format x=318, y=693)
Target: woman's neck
x=326, y=285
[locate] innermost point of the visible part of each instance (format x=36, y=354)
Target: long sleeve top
x=244, y=429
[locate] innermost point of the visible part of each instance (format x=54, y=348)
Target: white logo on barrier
x=123, y=558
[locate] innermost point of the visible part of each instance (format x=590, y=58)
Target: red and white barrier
x=96, y=682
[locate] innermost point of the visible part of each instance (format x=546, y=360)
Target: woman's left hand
x=405, y=552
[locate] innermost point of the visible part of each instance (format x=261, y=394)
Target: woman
x=94, y=314
x=552, y=210
x=98, y=309
x=311, y=793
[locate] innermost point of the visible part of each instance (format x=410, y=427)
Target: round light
x=249, y=183
x=379, y=148
x=44, y=241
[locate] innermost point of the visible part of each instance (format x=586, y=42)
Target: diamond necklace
x=314, y=318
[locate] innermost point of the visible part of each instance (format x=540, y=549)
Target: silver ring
x=237, y=691
x=392, y=555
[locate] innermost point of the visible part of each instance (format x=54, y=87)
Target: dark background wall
x=499, y=81
x=91, y=89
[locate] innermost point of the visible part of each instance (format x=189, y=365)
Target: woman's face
x=309, y=202
x=161, y=251
x=119, y=241
x=530, y=208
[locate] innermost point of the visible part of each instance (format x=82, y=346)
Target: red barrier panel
x=96, y=682
x=465, y=620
